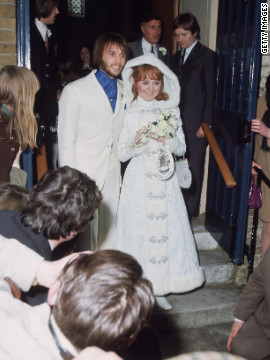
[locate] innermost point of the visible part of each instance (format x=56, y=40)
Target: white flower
x=166, y=113
x=144, y=139
x=153, y=128
x=162, y=124
x=173, y=122
x=160, y=133
x=163, y=50
x=49, y=33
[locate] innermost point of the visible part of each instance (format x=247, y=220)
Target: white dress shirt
x=188, y=50
x=146, y=46
x=41, y=28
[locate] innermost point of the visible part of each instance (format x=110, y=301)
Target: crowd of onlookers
x=86, y=254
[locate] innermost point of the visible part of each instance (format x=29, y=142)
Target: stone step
x=207, y=306
x=205, y=241
x=208, y=338
x=217, y=267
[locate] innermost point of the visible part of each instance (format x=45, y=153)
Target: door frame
x=23, y=59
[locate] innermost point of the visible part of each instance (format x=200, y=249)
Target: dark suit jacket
x=12, y=228
x=135, y=49
x=44, y=66
x=197, y=82
x=255, y=299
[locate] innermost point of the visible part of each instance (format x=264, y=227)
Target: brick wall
x=8, y=32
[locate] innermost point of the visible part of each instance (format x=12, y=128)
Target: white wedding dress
x=152, y=221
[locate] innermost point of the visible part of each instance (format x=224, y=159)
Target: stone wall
x=8, y=32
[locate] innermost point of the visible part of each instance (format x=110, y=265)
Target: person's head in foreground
x=61, y=204
x=101, y=300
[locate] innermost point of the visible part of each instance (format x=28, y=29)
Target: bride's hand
x=160, y=139
x=139, y=134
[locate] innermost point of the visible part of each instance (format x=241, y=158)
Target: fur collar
x=171, y=84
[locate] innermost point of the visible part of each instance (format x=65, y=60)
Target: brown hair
x=108, y=39
x=188, y=22
x=44, y=8
x=147, y=71
x=66, y=72
x=13, y=197
x=63, y=200
x=18, y=87
x=103, y=300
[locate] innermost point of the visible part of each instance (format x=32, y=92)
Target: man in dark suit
x=43, y=64
x=195, y=66
x=60, y=205
x=250, y=332
x=151, y=27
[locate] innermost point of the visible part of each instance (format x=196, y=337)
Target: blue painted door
x=238, y=72
x=23, y=59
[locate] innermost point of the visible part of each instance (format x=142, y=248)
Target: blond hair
x=147, y=71
x=18, y=87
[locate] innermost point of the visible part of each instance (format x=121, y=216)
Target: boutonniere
x=163, y=50
x=49, y=33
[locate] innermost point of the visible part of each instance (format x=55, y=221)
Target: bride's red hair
x=147, y=71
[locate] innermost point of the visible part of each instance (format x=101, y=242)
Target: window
x=76, y=8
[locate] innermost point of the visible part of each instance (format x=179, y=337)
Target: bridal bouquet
x=164, y=125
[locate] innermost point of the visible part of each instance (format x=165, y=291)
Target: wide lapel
x=100, y=93
x=40, y=41
x=120, y=98
x=159, y=53
x=193, y=54
x=139, y=47
x=176, y=63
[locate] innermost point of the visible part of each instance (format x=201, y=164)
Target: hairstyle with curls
x=13, y=197
x=108, y=39
x=187, y=21
x=44, y=8
x=103, y=300
x=63, y=200
x=147, y=71
x=18, y=87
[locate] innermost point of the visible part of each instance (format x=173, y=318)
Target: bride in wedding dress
x=152, y=221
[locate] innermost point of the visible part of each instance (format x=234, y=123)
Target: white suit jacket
x=86, y=123
x=24, y=331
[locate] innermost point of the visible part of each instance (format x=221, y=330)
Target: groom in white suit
x=91, y=113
